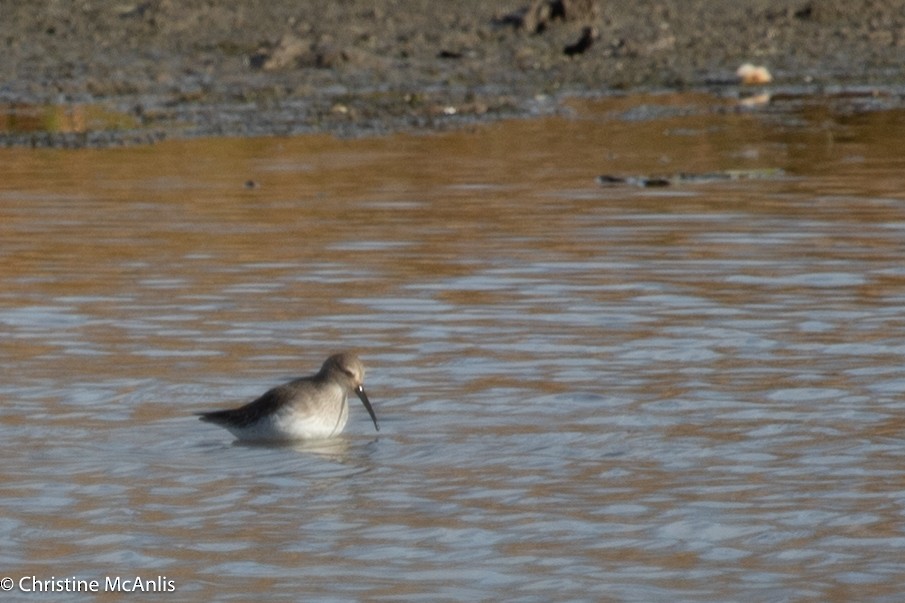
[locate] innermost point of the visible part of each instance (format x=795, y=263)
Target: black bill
x=360, y=392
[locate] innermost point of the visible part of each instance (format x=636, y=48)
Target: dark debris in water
x=690, y=178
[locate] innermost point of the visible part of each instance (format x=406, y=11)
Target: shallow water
x=585, y=392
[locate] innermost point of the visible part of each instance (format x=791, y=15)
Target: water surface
x=586, y=392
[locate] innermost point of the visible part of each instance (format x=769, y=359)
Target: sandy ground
x=211, y=67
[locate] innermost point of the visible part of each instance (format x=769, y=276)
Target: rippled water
x=585, y=392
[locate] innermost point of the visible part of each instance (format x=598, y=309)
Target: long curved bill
x=360, y=392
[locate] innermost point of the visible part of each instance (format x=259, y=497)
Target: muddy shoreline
x=113, y=72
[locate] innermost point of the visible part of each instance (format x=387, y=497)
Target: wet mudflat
x=106, y=73
x=689, y=392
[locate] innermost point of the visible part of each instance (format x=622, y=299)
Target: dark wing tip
x=217, y=417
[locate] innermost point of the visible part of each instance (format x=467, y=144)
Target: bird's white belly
x=290, y=424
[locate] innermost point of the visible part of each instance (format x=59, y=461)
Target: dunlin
x=306, y=408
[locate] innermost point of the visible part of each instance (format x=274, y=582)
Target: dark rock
x=589, y=35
